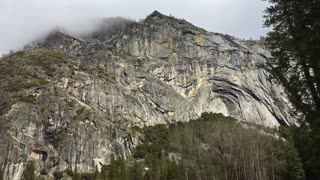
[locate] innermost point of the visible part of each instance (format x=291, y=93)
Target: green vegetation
x=5, y=102
x=50, y=61
x=58, y=175
x=294, y=41
x=44, y=172
x=261, y=42
x=1, y=175
x=71, y=103
x=28, y=99
x=20, y=84
x=77, y=176
x=115, y=170
x=29, y=171
x=24, y=70
x=94, y=67
x=212, y=147
x=216, y=147
x=82, y=112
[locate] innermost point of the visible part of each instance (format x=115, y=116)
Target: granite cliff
x=75, y=101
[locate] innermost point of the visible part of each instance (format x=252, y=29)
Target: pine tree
x=97, y=175
x=29, y=172
x=293, y=162
x=295, y=44
x=123, y=170
x=153, y=166
x=76, y=175
x=294, y=41
x=173, y=170
x=136, y=171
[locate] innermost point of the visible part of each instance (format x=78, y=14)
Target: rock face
x=71, y=103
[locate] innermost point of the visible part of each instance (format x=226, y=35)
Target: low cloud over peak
x=23, y=21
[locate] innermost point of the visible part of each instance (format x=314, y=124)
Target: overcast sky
x=22, y=21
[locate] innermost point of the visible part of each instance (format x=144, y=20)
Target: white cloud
x=21, y=21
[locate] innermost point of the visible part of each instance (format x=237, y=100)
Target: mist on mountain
x=25, y=21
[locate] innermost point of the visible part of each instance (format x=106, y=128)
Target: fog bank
x=23, y=21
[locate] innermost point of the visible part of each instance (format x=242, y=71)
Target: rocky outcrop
x=216, y=73
x=71, y=103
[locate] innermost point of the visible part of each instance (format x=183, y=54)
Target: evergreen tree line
x=213, y=147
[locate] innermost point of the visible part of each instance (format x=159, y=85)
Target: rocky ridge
x=72, y=102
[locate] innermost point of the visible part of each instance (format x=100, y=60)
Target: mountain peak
x=156, y=13
x=158, y=18
x=57, y=38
